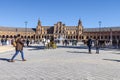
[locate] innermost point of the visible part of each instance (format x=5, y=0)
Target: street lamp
x=111, y=36
x=100, y=29
x=16, y=31
x=26, y=28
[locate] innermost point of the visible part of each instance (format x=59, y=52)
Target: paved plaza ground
x=63, y=63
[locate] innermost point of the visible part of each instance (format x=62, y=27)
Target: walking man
x=89, y=44
x=27, y=42
x=97, y=45
x=19, y=48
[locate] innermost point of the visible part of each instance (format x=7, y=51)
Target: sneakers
x=14, y=61
x=24, y=60
x=11, y=60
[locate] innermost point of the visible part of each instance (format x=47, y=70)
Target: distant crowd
x=49, y=43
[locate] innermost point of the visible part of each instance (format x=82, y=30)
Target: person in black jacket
x=89, y=44
x=27, y=42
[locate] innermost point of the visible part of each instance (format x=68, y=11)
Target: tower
x=79, y=29
x=39, y=27
x=39, y=22
x=59, y=29
x=38, y=31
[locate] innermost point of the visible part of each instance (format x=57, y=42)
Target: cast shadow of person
x=112, y=60
x=4, y=59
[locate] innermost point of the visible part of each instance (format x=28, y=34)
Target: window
x=105, y=37
x=101, y=37
x=113, y=37
x=82, y=37
x=118, y=37
x=94, y=37
x=87, y=37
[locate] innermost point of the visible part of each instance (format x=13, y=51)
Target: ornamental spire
x=79, y=23
x=39, y=22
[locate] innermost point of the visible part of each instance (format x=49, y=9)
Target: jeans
x=89, y=49
x=97, y=49
x=17, y=51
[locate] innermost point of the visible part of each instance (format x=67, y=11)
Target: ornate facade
x=60, y=30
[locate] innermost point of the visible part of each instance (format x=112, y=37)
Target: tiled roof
x=71, y=27
x=101, y=29
x=47, y=27
x=2, y=28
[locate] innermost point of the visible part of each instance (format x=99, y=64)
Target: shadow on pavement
x=77, y=52
x=76, y=47
x=116, y=53
x=42, y=47
x=112, y=60
x=35, y=47
x=4, y=59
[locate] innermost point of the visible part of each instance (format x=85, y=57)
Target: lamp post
x=111, y=36
x=26, y=28
x=100, y=29
x=16, y=31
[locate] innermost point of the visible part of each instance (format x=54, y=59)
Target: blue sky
x=13, y=13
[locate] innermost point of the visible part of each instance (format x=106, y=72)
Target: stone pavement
x=6, y=48
x=63, y=63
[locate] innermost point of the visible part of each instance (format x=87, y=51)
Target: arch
x=74, y=37
x=82, y=37
x=109, y=37
x=36, y=37
x=3, y=36
x=98, y=37
x=94, y=37
x=118, y=37
x=87, y=37
x=79, y=37
x=32, y=37
x=113, y=37
x=106, y=37
x=7, y=36
x=28, y=36
x=25, y=36
x=101, y=37
x=15, y=36
x=45, y=37
x=11, y=36
x=22, y=37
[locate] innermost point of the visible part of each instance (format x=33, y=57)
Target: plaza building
x=60, y=30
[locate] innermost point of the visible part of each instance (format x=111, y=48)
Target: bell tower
x=39, y=27
x=79, y=29
x=38, y=31
x=39, y=22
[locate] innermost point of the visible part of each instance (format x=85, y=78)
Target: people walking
x=18, y=48
x=89, y=44
x=27, y=42
x=2, y=41
x=97, y=46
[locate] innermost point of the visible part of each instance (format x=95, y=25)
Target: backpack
x=14, y=44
